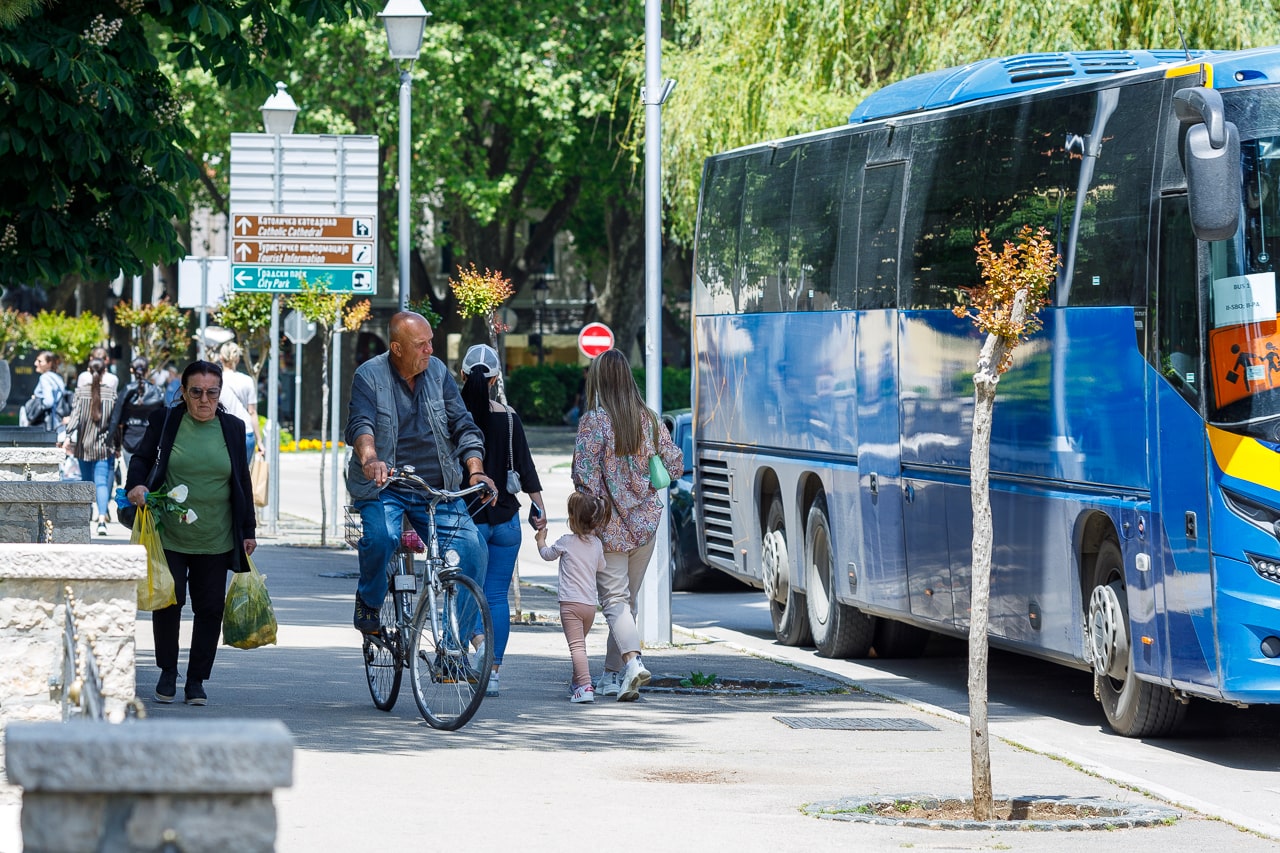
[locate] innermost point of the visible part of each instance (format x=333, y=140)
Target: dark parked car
x=688, y=572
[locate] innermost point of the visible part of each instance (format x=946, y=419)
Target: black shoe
x=367, y=620
x=195, y=693
x=167, y=686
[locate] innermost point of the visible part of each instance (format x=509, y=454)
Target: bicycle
x=427, y=630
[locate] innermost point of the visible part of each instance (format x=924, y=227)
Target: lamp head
x=279, y=112
x=405, y=22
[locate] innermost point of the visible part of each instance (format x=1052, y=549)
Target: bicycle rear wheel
x=384, y=661
x=449, y=678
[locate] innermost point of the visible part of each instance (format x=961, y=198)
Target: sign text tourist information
x=276, y=252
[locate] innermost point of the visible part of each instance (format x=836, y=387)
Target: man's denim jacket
x=435, y=393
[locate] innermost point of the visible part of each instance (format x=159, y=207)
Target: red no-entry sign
x=594, y=339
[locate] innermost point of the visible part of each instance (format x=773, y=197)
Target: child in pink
x=581, y=557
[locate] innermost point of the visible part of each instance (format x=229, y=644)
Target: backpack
x=65, y=404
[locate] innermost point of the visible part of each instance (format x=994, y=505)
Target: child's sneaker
x=583, y=693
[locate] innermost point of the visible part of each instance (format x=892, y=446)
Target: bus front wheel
x=1134, y=708
x=786, y=603
x=839, y=630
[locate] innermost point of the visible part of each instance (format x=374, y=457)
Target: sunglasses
x=211, y=393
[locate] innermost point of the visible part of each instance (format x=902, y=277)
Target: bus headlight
x=1267, y=568
x=1258, y=514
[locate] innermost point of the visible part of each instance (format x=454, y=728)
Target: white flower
x=189, y=516
x=179, y=493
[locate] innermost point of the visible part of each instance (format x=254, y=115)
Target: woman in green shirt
x=198, y=444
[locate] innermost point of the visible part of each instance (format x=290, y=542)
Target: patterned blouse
x=635, y=507
x=93, y=441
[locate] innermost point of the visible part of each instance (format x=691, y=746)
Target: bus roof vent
x=992, y=78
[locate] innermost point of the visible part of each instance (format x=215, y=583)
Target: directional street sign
x=277, y=252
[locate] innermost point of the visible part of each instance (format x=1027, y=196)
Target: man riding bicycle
x=406, y=410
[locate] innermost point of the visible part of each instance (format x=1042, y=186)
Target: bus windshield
x=1242, y=339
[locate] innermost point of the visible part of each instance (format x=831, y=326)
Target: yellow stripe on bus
x=1195, y=68
x=1244, y=458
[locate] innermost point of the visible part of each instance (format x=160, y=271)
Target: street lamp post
x=540, y=290
x=405, y=21
x=278, y=115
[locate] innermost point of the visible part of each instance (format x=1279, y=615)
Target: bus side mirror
x=1211, y=158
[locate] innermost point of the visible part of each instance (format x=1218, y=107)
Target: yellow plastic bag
x=155, y=591
x=248, y=620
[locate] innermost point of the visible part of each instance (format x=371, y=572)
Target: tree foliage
x=70, y=338
x=92, y=135
x=158, y=329
x=249, y=316
x=753, y=70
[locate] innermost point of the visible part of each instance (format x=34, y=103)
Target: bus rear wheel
x=1134, y=708
x=839, y=631
x=786, y=603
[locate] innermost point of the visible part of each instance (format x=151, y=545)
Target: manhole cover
x=858, y=724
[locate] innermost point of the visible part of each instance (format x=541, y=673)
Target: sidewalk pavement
x=676, y=770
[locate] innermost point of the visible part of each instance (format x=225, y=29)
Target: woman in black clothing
x=200, y=445
x=506, y=452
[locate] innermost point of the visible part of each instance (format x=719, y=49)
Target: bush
x=542, y=394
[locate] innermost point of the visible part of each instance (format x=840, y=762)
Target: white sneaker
x=608, y=684
x=634, y=676
x=582, y=694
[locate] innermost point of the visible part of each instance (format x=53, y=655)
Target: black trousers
x=205, y=575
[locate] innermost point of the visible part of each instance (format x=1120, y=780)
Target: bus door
x=881, y=579
x=1171, y=599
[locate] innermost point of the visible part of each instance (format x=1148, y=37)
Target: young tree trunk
x=985, y=380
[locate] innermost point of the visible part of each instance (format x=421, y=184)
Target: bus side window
x=880, y=230
x=815, y=225
x=719, y=226
x=766, y=227
x=1177, y=309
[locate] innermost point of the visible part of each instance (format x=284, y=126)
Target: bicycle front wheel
x=449, y=677
x=384, y=658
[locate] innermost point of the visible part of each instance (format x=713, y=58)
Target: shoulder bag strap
x=511, y=456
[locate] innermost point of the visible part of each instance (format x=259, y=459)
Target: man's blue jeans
x=382, y=519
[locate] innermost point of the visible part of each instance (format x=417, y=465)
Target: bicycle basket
x=352, y=529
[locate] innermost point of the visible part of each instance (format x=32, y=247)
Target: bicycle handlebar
x=405, y=474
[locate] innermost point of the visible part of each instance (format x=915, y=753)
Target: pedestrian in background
x=243, y=388
x=48, y=393
x=506, y=452
x=199, y=445
x=133, y=408
x=617, y=435
x=581, y=556
x=108, y=378
x=89, y=437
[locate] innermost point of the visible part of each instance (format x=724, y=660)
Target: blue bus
x=1135, y=456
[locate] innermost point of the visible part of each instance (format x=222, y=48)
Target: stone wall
x=150, y=785
x=36, y=505
x=33, y=578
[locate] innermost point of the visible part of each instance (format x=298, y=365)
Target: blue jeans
x=250, y=442
x=98, y=473
x=504, y=544
x=381, y=518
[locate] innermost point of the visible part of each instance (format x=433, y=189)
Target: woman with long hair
x=89, y=437
x=505, y=450
x=617, y=435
